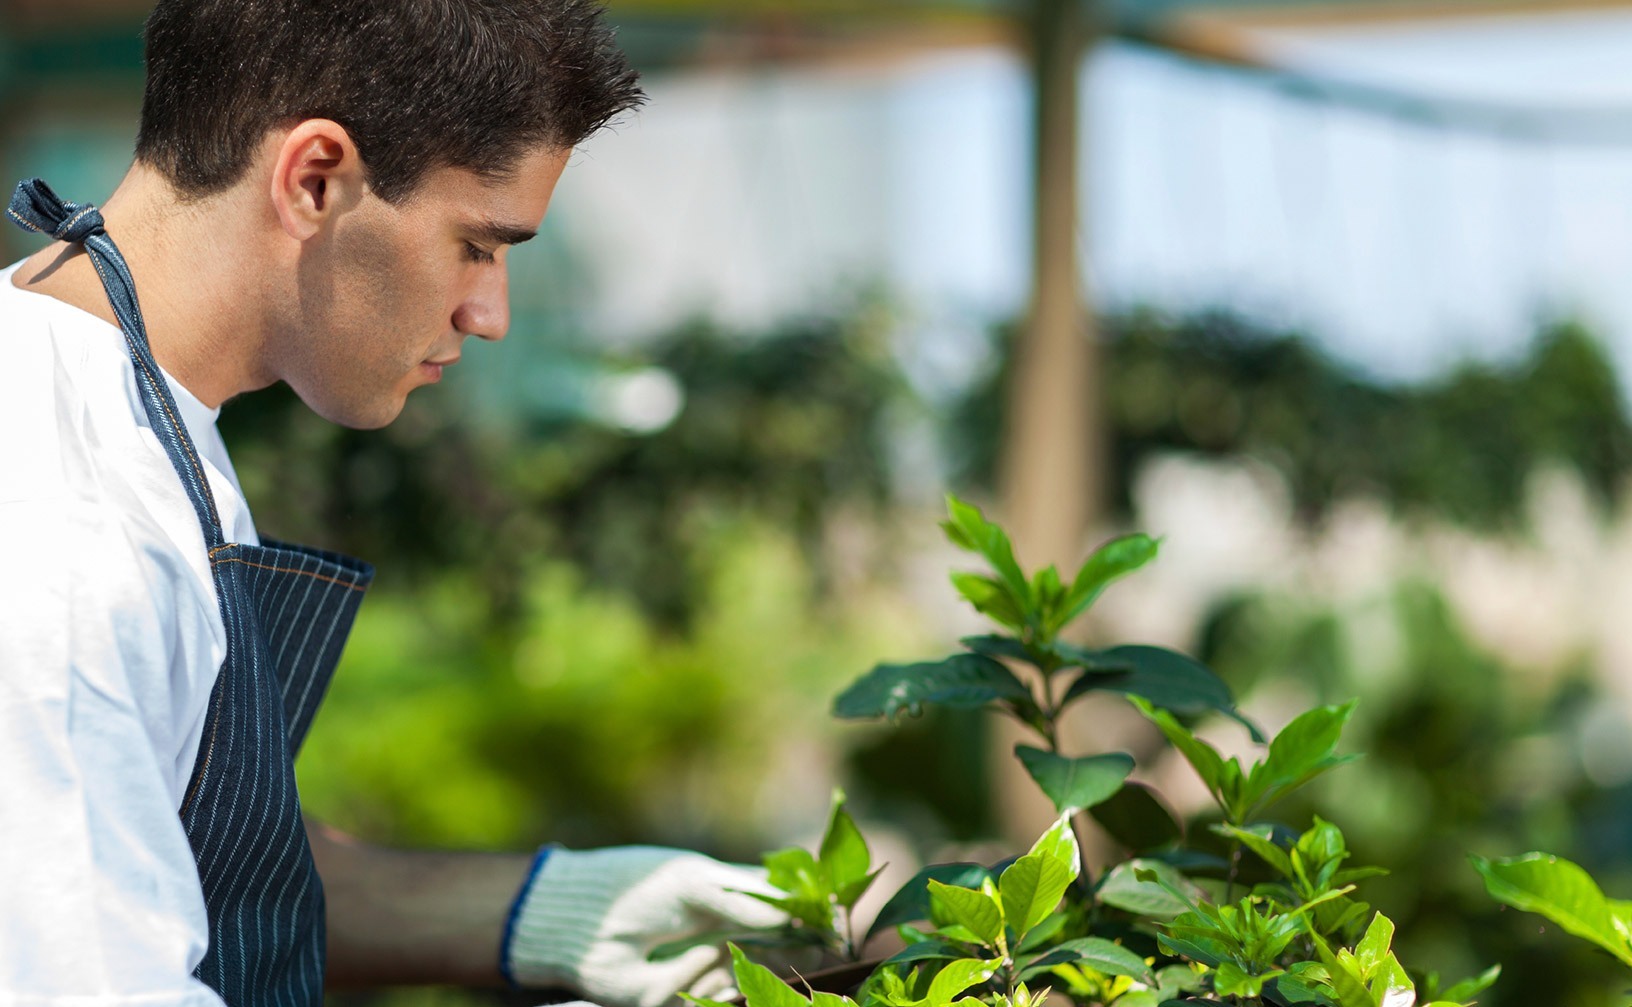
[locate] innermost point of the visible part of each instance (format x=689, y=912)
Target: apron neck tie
x=35, y=207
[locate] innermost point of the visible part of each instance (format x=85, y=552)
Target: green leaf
x=1122, y=888
x=1559, y=890
x=927, y=951
x=1166, y=678
x=911, y=900
x=793, y=870
x=848, y=895
x=963, y=681
x=959, y=976
x=1075, y=784
x=844, y=857
x=1374, y=946
x=949, y=905
x=1232, y=980
x=1031, y=888
x=995, y=645
x=1260, y=844
x=970, y=530
x=1114, y=559
x=1473, y=986
x=759, y=985
x=1059, y=844
x=815, y=910
x=820, y=999
x=1348, y=987
x=991, y=598
x=1203, y=758
x=1047, y=589
x=1098, y=954
x=1137, y=819
x=703, y=1001
x=1302, y=751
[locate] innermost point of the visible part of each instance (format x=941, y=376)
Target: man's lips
x=432, y=369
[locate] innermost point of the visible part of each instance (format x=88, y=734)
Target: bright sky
x=1400, y=246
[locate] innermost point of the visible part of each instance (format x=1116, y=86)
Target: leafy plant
x=1564, y=893
x=1167, y=926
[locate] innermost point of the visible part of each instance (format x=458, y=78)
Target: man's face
x=387, y=302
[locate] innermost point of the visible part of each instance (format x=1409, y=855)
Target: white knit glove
x=587, y=919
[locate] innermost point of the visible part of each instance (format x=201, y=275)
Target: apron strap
x=35, y=207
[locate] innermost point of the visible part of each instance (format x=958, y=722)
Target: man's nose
x=485, y=312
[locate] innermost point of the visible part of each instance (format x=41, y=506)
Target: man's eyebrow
x=495, y=233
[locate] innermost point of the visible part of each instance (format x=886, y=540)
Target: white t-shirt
x=110, y=642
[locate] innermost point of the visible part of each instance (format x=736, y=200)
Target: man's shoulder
x=65, y=396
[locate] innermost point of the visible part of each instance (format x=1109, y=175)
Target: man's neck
x=198, y=298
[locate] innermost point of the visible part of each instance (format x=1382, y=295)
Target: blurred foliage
x=1459, y=447
x=585, y=723
x=787, y=425
x=1464, y=752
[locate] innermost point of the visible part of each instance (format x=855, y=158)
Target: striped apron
x=287, y=611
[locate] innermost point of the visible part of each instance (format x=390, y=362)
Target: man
x=324, y=192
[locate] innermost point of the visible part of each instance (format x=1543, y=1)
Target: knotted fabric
x=35, y=207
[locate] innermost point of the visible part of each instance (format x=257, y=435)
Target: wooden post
x=1051, y=455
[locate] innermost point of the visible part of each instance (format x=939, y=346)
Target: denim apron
x=287, y=611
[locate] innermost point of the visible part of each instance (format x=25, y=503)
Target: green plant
x=1566, y=894
x=1172, y=923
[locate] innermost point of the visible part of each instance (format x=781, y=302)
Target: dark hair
x=419, y=84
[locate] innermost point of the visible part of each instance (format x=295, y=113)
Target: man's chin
x=359, y=416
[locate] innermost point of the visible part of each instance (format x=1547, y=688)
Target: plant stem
x=851, y=953
x=1235, y=868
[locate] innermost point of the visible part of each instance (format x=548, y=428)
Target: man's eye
x=475, y=254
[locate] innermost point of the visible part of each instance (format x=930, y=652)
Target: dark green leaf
x=911, y=901
x=964, y=681
x=1168, y=679
x=759, y=985
x=1114, y=559
x=1075, y=784
x=1137, y=819
x=976, y=533
x=927, y=951
x=950, y=905
x=994, y=645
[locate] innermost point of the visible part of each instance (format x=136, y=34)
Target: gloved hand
x=586, y=920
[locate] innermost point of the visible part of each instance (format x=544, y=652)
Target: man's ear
x=316, y=174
